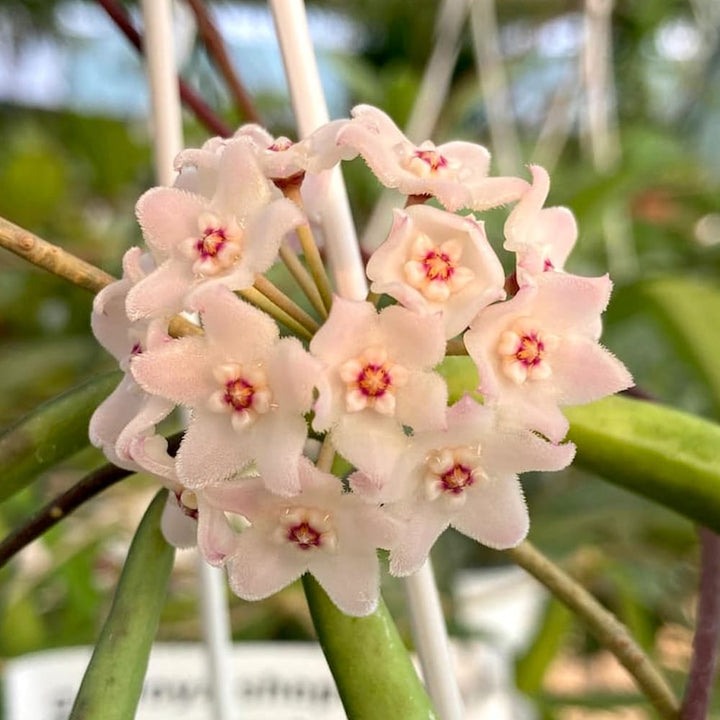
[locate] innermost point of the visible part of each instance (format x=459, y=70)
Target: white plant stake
x=167, y=143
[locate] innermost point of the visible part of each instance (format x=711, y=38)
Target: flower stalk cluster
x=362, y=379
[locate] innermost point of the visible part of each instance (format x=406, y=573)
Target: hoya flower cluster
x=366, y=383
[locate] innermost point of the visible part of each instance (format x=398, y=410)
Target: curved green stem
x=603, y=624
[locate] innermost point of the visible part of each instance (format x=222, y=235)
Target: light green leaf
x=663, y=454
x=371, y=667
x=113, y=681
x=49, y=434
x=689, y=310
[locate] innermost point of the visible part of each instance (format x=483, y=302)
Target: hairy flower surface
x=437, y=262
x=456, y=173
x=464, y=476
x=539, y=350
x=247, y=389
x=225, y=240
x=128, y=415
x=541, y=237
x=377, y=376
x=322, y=530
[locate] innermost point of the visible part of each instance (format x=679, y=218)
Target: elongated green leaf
x=689, y=310
x=51, y=433
x=664, y=454
x=113, y=682
x=372, y=668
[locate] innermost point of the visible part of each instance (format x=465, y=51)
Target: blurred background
x=619, y=101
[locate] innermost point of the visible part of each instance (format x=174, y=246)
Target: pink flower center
x=306, y=529
x=531, y=350
x=371, y=380
x=438, y=266
x=524, y=351
x=281, y=144
x=304, y=536
x=457, y=479
x=374, y=380
x=432, y=158
x=449, y=471
x=239, y=394
x=211, y=243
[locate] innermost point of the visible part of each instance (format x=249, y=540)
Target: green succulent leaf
x=49, y=434
x=663, y=454
x=370, y=664
x=113, y=681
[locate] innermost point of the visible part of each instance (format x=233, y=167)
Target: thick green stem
x=113, y=682
x=603, y=625
x=372, y=669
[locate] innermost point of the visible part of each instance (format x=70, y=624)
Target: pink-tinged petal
x=247, y=198
x=570, y=302
x=259, y=568
x=168, y=216
x=422, y=402
x=150, y=453
x=161, y=293
x=323, y=150
x=397, y=266
x=179, y=529
x=279, y=443
x=149, y=414
x=519, y=227
x=109, y=322
x=353, y=583
x=266, y=230
x=514, y=450
x=137, y=264
x=112, y=415
x=415, y=540
x=234, y=327
x=349, y=329
x=587, y=371
x=412, y=340
x=495, y=514
x=293, y=374
x=256, y=133
x=179, y=370
x=212, y=451
x=371, y=443
x=535, y=412
x=474, y=159
x=494, y=191
x=215, y=538
x=247, y=497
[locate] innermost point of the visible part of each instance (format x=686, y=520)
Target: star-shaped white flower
x=464, y=476
x=436, y=262
x=247, y=388
x=226, y=239
x=377, y=377
x=322, y=530
x=456, y=173
x=539, y=351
